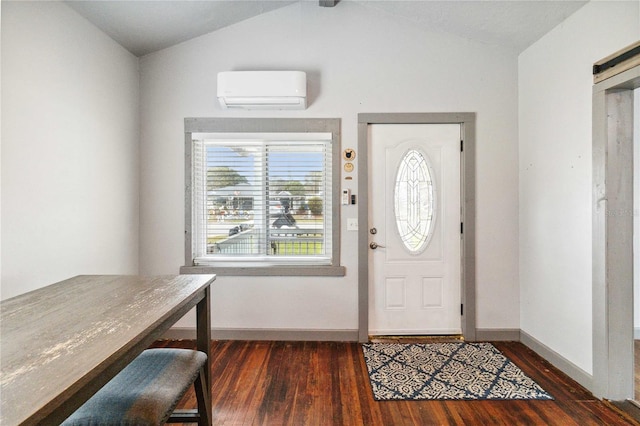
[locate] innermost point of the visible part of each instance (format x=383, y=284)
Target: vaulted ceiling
x=144, y=27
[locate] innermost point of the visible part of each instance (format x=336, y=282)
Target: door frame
x=612, y=257
x=467, y=121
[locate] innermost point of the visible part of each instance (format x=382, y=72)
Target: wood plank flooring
x=636, y=354
x=326, y=383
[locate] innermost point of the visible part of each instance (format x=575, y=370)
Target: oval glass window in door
x=415, y=201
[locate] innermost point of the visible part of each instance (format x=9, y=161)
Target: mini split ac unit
x=262, y=89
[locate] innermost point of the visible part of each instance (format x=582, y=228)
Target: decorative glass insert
x=414, y=201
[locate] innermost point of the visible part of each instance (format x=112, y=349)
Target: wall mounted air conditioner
x=262, y=89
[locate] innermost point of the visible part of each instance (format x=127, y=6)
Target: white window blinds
x=262, y=198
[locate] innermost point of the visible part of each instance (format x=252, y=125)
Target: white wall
x=357, y=60
x=555, y=84
x=70, y=127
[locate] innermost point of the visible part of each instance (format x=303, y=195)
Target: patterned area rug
x=458, y=370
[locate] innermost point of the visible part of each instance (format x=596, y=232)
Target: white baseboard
x=567, y=367
x=498, y=334
x=186, y=333
x=189, y=333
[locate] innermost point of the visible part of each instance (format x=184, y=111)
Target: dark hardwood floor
x=326, y=383
x=636, y=354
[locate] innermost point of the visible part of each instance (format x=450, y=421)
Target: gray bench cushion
x=145, y=392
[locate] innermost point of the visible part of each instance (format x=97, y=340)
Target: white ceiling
x=147, y=26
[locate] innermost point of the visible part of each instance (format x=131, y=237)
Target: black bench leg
x=202, y=415
x=204, y=400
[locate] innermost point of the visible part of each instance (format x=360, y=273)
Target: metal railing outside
x=285, y=242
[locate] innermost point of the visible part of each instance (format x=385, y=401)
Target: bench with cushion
x=147, y=391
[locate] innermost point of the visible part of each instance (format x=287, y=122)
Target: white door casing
x=415, y=292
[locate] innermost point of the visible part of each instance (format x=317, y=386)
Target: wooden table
x=62, y=343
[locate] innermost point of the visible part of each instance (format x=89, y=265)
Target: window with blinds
x=262, y=198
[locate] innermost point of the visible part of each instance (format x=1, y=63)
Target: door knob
x=375, y=245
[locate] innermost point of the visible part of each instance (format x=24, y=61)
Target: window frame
x=263, y=125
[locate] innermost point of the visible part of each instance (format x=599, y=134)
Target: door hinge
x=461, y=146
x=461, y=227
x=461, y=309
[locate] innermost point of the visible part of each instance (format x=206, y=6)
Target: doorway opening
x=613, y=231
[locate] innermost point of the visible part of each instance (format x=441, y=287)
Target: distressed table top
x=66, y=340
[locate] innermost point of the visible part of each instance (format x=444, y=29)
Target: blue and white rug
x=445, y=371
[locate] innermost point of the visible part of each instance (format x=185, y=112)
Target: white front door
x=414, y=229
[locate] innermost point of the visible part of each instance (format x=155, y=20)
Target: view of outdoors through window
x=267, y=198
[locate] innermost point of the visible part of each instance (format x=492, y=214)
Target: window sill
x=266, y=271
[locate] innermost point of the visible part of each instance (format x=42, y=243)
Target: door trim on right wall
x=612, y=257
x=467, y=122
